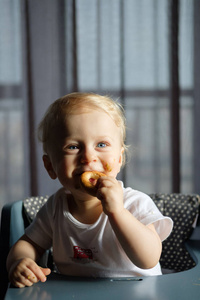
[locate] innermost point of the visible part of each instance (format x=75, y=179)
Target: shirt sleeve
x=40, y=230
x=145, y=210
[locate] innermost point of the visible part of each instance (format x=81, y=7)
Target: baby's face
x=91, y=141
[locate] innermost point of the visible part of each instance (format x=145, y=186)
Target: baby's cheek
x=107, y=167
x=111, y=168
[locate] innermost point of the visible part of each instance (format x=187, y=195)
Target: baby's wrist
x=116, y=213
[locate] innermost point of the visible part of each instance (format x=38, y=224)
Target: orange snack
x=89, y=180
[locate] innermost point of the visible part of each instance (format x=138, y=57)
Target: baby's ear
x=121, y=158
x=48, y=166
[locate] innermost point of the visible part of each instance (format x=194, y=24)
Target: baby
x=105, y=231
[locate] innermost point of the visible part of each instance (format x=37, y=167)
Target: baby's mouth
x=93, y=181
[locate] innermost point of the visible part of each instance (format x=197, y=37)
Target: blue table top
x=184, y=285
x=165, y=287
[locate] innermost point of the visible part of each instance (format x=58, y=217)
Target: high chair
x=180, y=258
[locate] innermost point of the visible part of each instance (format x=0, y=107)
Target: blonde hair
x=55, y=116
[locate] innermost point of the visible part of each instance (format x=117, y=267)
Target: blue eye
x=101, y=145
x=72, y=147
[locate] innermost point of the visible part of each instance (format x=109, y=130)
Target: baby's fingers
x=46, y=271
x=25, y=278
x=38, y=273
x=27, y=272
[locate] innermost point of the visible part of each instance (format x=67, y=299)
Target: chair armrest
x=12, y=225
x=16, y=222
x=12, y=228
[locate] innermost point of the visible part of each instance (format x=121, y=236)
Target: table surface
x=184, y=285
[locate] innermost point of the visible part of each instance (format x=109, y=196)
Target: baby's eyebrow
x=71, y=139
x=104, y=137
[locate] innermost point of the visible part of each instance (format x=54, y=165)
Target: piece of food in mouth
x=89, y=181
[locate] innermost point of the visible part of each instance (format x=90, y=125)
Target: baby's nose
x=88, y=155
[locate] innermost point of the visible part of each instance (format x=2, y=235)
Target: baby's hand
x=111, y=195
x=25, y=272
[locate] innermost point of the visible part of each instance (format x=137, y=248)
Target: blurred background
x=145, y=53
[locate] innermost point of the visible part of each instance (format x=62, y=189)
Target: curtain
x=142, y=52
x=11, y=103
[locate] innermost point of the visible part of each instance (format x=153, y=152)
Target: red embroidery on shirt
x=82, y=253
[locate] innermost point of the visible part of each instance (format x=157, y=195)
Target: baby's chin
x=72, y=185
x=78, y=187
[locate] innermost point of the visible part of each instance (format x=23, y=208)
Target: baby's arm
x=141, y=243
x=21, y=263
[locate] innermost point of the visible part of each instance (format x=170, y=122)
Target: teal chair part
x=12, y=228
x=16, y=222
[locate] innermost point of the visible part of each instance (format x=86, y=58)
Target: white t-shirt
x=93, y=249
